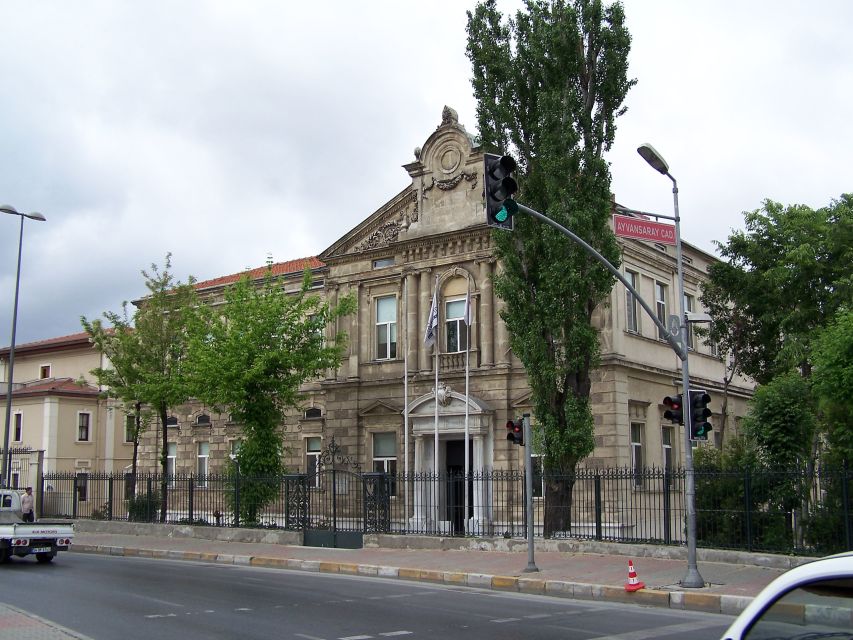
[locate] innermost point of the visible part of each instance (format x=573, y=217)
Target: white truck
x=44, y=539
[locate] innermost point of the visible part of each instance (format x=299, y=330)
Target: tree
x=150, y=355
x=251, y=355
x=549, y=85
x=832, y=384
x=782, y=280
x=121, y=378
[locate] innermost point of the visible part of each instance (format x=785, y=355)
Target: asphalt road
x=134, y=598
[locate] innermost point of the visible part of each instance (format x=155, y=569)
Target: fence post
x=149, y=511
x=74, y=497
x=747, y=501
x=110, y=497
x=598, y=515
x=667, y=508
x=237, y=496
x=190, y=486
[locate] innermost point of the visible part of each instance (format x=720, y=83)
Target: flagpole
x=406, y=400
x=467, y=317
x=435, y=436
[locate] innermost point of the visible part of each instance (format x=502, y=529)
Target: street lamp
x=692, y=578
x=7, y=458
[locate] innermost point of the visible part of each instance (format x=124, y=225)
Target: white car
x=812, y=601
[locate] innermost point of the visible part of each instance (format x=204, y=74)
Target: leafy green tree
x=120, y=379
x=832, y=384
x=251, y=355
x=549, y=85
x=150, y=353
x=782, y=279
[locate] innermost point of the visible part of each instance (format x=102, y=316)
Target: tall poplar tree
x=549, y=84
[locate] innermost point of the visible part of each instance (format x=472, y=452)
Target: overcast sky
x=225, y=132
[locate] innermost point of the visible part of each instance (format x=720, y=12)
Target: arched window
x=172, y=421
x=203, y=420
x=313, y=412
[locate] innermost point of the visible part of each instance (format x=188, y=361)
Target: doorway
x=456, y=485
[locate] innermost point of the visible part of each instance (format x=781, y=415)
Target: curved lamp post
x=692, y=578
x=7, y=458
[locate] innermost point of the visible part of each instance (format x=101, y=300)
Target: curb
x=683, y=600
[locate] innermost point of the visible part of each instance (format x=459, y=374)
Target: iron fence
x=792, y=512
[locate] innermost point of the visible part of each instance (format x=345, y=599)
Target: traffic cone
x=633, y=583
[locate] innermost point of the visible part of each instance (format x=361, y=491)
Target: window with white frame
x=385, y=456
x=660, y=303
x=637, y=462
x=171, y=461
x=18, y=429
x=234, y=446
x=202, y=460
x=456, y=329
x=713, y=347
x=129, y=428
x=666, y=436
x=386, y=327
x=632, y=320
x=84, y=422
x=313, y=448
x=689, y=306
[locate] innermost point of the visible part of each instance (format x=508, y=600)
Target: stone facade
x=433, y=233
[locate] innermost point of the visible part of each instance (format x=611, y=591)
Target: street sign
x=640, y=229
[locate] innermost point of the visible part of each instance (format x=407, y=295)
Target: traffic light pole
x=692, y=578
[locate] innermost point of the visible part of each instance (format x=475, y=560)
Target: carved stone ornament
x=386, y=234
x=452, y=183
x=443, y=396
x=449, y=116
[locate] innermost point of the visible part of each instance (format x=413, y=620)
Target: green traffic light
x=502, y=215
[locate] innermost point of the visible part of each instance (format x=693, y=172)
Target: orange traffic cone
x=633, y=583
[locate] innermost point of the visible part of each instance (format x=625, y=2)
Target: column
x=425, y=300
x=502, y=355
x=365, y=326
x=419, y=486
x=480, y=489
x=412, y=314
x=332, y=329
x=486, y=316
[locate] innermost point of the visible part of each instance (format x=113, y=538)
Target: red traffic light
x=675, y=409
x=515, y=431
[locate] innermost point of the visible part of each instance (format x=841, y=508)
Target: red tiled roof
x=55, y=386
x=61, y=342
x=278, y=269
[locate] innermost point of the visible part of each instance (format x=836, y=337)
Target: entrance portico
x=451, y=500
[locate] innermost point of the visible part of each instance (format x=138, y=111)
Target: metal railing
x=792, y=512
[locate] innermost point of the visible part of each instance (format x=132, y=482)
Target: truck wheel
x=45, y=557
x=5, y=554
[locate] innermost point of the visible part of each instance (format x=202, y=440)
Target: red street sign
x=640, y=229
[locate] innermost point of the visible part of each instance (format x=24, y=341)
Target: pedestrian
x=27, y=503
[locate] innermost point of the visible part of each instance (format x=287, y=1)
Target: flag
x=432, y=321
x=466, y=314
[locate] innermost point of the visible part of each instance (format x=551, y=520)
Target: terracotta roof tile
x=278, y=269
x=58, y=386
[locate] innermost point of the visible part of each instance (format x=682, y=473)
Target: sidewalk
x=16, y=624
x=590, y=576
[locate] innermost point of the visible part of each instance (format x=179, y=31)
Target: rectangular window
x=386, y=327
x=83, y=422
x=82, y=487
x=312, y=460
x=660, y=301
x=235, y=446
x=637, y=462
x=19, y=427
x=457, y=330
x=689, y=304
x=171, y=461
x=385, y=456
x=202, y=459
x=44, y=371
x=713, y=347
x=129, y=428
x=631, y=317
x=666, y=436
x=383, y=262
x=16, y=479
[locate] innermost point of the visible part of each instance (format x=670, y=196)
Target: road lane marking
x=162, y=615
x=536, y=616
x=242, y=609
x=396, y=633
x=355, y=638
x=656, y=632
x=307, y=637
x=502, y=620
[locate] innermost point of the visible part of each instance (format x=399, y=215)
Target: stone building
x=433, y=234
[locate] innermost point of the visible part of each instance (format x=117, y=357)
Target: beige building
x=58, y=411
x=433, y=233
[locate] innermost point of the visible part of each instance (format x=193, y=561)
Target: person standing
x=27, y=504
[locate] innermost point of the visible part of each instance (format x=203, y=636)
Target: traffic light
x=499, y=188
x=674, y=409
x=699, y=414
x=515, y=431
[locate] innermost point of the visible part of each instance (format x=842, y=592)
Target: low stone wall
x=222, y=534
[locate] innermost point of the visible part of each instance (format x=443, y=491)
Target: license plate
x=41, y=549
